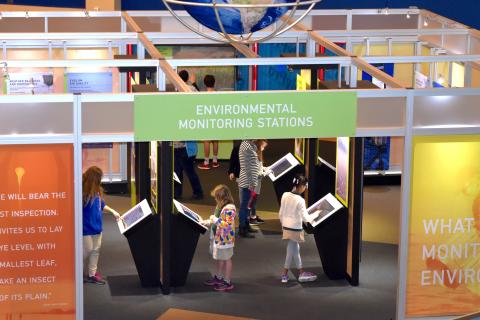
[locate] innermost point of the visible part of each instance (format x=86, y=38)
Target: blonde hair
x=91, y=184
x=222, y=196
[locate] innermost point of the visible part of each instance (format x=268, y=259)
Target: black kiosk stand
x=330, y=230
x=162, y=243
x=338, y=237
x=187, y=229
x=139, y=227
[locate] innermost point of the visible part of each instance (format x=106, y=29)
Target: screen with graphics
x=189, y=213
x=282, y=166
x=134, y=216
x=323, y=209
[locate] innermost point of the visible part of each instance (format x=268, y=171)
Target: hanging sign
x=246, y=115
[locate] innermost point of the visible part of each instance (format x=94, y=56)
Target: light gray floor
x=258, y=293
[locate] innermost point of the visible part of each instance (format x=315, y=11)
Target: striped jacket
x=249, y=165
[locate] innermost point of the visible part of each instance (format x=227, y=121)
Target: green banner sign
x=245, y=115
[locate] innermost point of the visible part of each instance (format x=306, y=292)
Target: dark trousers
x=244, y=212
x=183, y=162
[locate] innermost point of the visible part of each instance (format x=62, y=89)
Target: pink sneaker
x=224, y=286
x=213, y=281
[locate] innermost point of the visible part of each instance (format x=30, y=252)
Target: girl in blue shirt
x=93, y=206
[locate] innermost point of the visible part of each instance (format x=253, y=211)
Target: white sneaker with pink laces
x=307, y=277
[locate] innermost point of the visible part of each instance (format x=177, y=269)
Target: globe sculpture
x=237, y=20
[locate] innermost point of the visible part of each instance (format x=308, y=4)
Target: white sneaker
x=307, y=277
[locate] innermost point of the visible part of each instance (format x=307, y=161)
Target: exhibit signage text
x=201, y=116
x=37, y=262
x=443, y=274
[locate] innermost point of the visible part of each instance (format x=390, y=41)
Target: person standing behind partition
x=293, y=213
x=247, y=182
x=188, y=79
x=93, y=206
x=184, y=159
x=209, y=82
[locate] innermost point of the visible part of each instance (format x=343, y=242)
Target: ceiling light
x=425, y=22
x=408, y=15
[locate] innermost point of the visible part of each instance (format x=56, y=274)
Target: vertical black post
x=142, y=171
x=356, y=240
x=311, y=171
x=165, y=195
x=313, y=78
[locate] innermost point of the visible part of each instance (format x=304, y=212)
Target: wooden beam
x=170, y=73
x=245, y=50
x=377, y=73
x=360, y=63
x=131, y=23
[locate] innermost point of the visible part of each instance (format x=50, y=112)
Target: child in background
x=293, y=213
x=93, y=206
x=222, y=238
x=209, y=82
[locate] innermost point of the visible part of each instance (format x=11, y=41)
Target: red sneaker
x=203, y=166
x=215, y=164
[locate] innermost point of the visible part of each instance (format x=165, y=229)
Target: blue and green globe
x=238, y=20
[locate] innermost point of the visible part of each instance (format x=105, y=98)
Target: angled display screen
x=282, y=166
x=326, y=206
x=189, y=213
x=134, y=216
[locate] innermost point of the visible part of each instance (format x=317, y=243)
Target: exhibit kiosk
x=49, y=124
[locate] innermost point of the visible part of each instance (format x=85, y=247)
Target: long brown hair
x=259, y=143
x=222, y=196
x=91, y=184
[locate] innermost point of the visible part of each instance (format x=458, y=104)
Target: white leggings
x=91, y=252
x=293, y=252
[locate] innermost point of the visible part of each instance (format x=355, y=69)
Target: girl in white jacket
x=293, y=213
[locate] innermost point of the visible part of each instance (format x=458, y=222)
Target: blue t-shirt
x=92, y=216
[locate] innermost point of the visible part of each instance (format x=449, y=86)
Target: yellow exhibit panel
x=443, y=275
x=458, y=75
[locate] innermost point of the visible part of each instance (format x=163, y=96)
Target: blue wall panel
x=464, y=11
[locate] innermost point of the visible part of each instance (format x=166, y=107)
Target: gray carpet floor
x=258, y=292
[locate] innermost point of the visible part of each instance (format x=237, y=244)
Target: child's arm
x=112, y=211
x=305, y=215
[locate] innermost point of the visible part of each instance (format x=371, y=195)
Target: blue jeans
x=244, y=197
